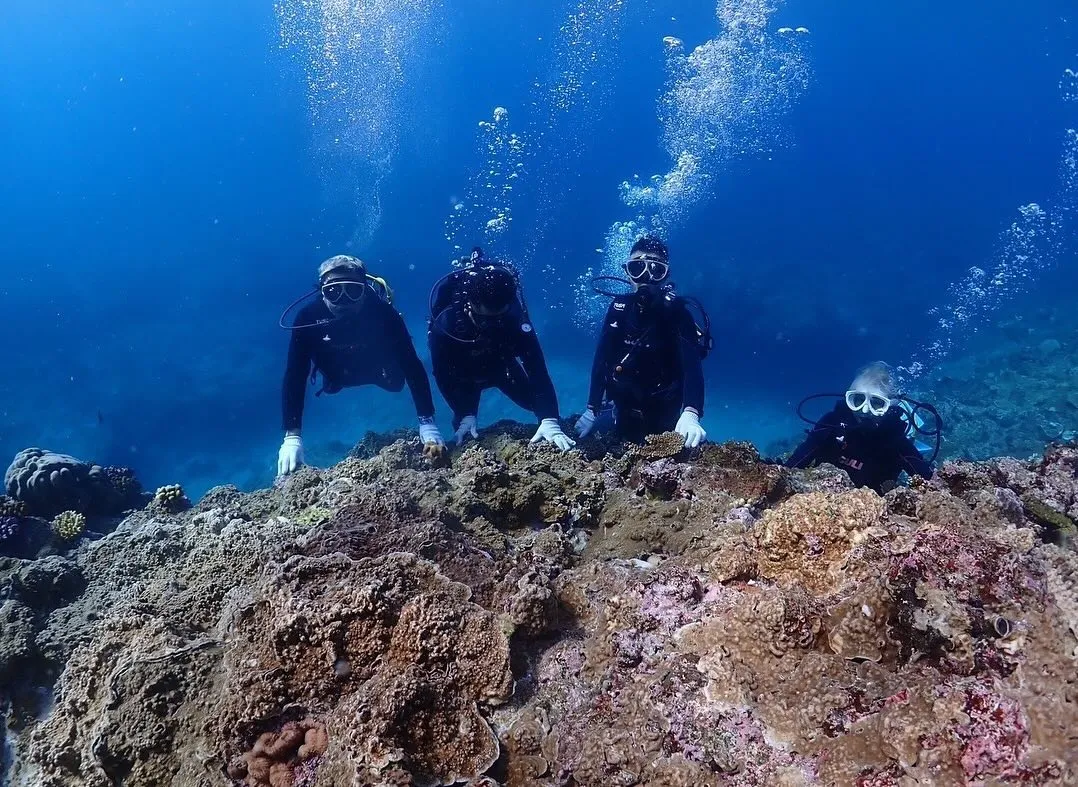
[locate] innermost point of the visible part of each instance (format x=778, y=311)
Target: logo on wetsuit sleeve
x=853, y=464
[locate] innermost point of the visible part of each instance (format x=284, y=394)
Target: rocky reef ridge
x=516, y=616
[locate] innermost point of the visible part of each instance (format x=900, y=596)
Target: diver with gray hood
x=351, y=335
x=872, y=432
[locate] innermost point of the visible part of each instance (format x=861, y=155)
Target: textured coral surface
x=516, y=616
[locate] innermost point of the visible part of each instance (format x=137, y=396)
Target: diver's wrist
x=692, y=410
x=291, y=433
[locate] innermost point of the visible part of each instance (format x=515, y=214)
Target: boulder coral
x=46, y=483
x=524, y=618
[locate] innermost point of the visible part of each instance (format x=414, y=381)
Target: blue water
x=170, y=188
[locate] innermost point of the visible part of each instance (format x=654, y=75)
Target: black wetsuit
x=648, y=363
x=873, y=451
x=505, y=355
x=371, y=347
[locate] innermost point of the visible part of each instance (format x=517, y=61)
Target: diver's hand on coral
x=290, y=457
x=688, y=426
x=551, y=431
x=468, y=426
x=429, y=433
x=585, y=423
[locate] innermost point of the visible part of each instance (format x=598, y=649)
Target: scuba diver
x=353, y=336
x=480, y=337
x=870, y=433
x=649, y=360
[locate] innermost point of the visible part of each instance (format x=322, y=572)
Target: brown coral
x=807, y=539
x=272, y=761
x=715, y=638
x=393, y=650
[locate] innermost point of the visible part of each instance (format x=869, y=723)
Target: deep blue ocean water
x=175, y=171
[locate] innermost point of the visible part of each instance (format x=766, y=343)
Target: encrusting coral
x=526, y=618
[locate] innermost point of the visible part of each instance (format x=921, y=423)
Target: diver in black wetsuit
x=480, y=337
x=351, y=336
x=649, y=361
x=867, y=435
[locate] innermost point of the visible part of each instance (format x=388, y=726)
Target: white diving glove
x=688, y=426
x=290, y=457
x=430, y=436
x=468, y=426
x=585, y=423
x=550, y=430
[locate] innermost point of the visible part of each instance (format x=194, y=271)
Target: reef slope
x=521, y=617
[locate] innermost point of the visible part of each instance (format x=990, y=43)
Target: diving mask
x=868, y=402
x=340, y=293
x=647, y=267
x=484, y=318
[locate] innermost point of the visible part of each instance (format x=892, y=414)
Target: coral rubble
x=516, y=616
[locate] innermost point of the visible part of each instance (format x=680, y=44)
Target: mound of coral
x=517, y=616
x=47, y=483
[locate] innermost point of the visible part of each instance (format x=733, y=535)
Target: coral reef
x=47, y=483
x=69, y=525
x=1015, y=391
x=171, y=499
x=521, y=617
x=276, y=756
x=11, y=507
x=9, y=527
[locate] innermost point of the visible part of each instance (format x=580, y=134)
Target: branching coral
x=11, y=507
x=171, y=499
x=69, y=525
x=660, y=446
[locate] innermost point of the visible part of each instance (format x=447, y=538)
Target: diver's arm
x=600, y=367
x=294, y=386
x=911, y=460
x=414, y=374
x=534, y=363
x=462, y=395
x=692, y=365
x=814, y=445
